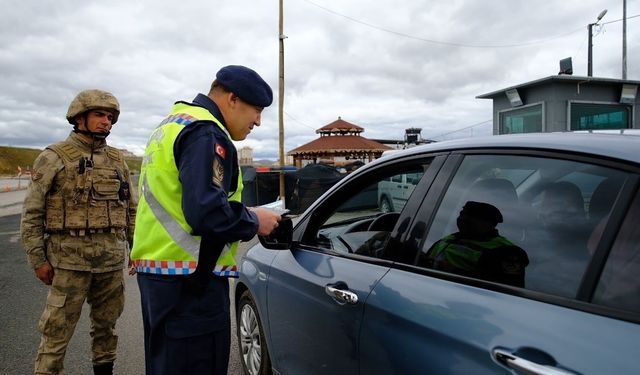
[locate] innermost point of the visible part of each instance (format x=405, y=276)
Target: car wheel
x=253, y=347
x=385, y=205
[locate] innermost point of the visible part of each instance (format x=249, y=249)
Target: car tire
x=251, y=341
x=385, y=205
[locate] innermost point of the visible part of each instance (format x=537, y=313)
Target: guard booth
x=566, y=103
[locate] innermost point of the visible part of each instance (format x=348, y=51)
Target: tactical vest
x=92, y=199
x=163, y=243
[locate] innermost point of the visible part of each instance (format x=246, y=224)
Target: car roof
x=624, y=146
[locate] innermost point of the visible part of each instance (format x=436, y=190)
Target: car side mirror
x=281, y=237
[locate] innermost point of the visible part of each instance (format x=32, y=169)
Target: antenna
x=566, y=67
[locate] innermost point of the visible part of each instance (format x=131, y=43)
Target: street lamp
x=589, y=58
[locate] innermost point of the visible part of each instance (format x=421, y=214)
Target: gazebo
x=340, y=142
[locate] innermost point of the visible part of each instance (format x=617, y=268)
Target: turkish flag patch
x=220, y=151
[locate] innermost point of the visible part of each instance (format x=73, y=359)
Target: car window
x=533, y=233
x=393, y=193
x=619, y=284
x=360, y=216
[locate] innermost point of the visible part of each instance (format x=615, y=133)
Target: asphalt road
x=22, y=300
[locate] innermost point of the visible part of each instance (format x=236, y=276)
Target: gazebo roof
x=340, y=126
x=339, y=144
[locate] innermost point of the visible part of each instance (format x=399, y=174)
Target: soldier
x=77, y=224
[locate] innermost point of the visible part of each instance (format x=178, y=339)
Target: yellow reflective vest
x=163, y=243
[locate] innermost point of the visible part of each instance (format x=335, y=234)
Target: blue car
x=512, y=254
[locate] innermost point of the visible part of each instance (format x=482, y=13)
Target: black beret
x=245, y=83
x=482, y=211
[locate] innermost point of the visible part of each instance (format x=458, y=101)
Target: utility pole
x=590, y=46
x=624, y=39
x=589, y=50
x=281, y=38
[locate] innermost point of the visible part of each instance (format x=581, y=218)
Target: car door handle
x=342, y=296
x=523, y=366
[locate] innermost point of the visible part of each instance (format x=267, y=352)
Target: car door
x=421, y=319
x=317, y=290
x=313, y=329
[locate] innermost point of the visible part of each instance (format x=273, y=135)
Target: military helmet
x=93, y=99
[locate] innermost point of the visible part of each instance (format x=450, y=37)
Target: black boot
x=103, y=369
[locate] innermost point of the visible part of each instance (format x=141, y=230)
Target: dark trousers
x=185, y=332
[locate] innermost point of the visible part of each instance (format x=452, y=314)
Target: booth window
x=522, y=120
x=592, y=116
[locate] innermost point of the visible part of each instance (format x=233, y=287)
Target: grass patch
x=13, y=157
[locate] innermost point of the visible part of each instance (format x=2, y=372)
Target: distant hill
x=266, y=162
x=13, y=157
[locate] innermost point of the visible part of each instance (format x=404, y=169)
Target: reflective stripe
x=179, y=267
x=179, y=118
x=229, y=271
x=165, y=267
x=186, y=241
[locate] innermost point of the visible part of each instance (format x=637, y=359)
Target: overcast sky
x=383, y=65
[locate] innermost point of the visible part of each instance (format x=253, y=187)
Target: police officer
x=77, y=224
x=190, y=220
x=478, y=250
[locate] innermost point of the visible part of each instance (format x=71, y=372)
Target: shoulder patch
x=113, y=153
x=66, y=151
x=35, y=176
x=47, y=162
x=220, y=150
x=218, y=173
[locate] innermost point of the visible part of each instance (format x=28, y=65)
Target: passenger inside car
x=559, y=256
x=477, y=249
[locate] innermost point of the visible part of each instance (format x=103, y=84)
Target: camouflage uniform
x=80, y=219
